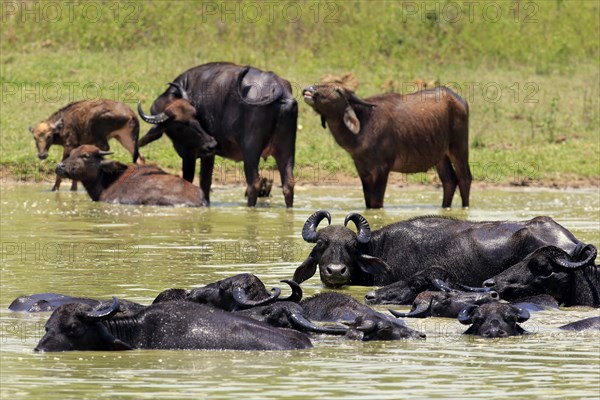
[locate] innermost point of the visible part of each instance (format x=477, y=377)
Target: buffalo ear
x=306, y=270
x=153, y=134
x=373, y=265
x=111, y=166
x=465, y=317
x=523, y=314
x=323, y=123
x=351, y=120
x=57, y=126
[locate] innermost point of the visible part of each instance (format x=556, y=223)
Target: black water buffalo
x=287, y=314
x=114, y=182
x=406, y=290
x=470, y=251
x=251, y=113
x=44, y=302
x=88, y=122
x=493, y=320
x=240, y=291
x=365, y=323
x=168, y=325
x=571, y=279
x=445, y=304
x=592, y=323
x=401, y=133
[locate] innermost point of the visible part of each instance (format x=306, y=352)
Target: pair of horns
x=309, y=231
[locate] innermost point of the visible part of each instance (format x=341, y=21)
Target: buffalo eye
x=541, y=268
x=321, y=243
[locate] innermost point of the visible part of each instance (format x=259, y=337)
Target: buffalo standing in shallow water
x=402, y=133
x=240, y=113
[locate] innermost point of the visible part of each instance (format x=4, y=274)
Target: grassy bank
x=528, y=69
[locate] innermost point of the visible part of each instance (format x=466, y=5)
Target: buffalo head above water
x=340, y=253
x=179, y=120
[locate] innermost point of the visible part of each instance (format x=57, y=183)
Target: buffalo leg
x=449, y=180
x=285, y=165
x=188, y=166
x=252, y=179
x=463, y=174
x=66, y=152
x=207, y=165
x=374, y=188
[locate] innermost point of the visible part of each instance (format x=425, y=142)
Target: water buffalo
x=470, y=251
x=114, y=182
x=287, y=314
x=236, y=292
x=445, y=304
x=365, y=323
x=571, y=279
x=250, y=113
x=592, y=323
x=401, y=133
x=88, y=122
x=43, y=302
x=406, y=290
x=493, y=320
x=168, y=325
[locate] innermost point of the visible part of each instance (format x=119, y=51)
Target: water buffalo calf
x=168, y=325
x=88, y=122
x=402, y=133
x=493, y=320
x=114, y=182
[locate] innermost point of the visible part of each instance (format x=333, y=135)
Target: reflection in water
x=63, y=242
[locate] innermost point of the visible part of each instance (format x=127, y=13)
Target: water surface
x=62, y=242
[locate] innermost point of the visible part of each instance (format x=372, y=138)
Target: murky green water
x=62, y=242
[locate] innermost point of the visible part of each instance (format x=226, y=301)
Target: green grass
x=543, y=57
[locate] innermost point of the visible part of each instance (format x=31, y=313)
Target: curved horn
x=105, y=153
x=442, y=285
x=152, y=119
x=300, y=322
x=364, y=230
x=421, y=311
x=309, y=231
x=241, y=299
x=474, y=289
x=566, y=263
x=98, y=315
x=464, y=316
x=182, y=92
x=296, y=295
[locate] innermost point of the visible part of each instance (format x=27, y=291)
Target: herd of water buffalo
x=489, y=275
x=430, y=262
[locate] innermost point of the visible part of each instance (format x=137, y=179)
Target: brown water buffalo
x=114, y=182
x=250, y=113
x=88, y=122
x=401, y=133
